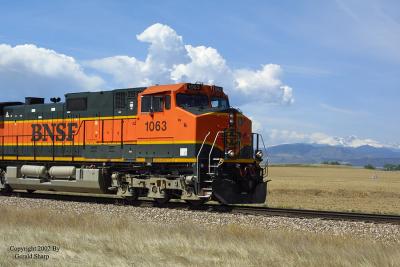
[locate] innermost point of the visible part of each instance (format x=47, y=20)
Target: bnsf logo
x=54, y=131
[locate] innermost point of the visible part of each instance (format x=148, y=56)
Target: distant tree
x=391, y=167
x=331, y=162
x=369, y=167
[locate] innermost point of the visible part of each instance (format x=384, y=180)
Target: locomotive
x=178, y=141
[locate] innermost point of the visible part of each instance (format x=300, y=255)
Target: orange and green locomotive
x=180, y=141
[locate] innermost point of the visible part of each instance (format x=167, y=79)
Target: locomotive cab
x=226, y=163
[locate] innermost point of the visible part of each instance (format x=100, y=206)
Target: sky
x=325, y=72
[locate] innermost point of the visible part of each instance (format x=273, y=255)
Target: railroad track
x=237, y=209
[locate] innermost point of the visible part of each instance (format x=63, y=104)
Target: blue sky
x=335, y=69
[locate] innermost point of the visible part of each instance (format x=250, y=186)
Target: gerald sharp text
x=32, y=256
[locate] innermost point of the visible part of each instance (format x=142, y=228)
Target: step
x=211, y=173
x=112, y=188
x=206, y=189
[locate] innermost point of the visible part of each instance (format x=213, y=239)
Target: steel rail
x=234, y=209
x=321, y=214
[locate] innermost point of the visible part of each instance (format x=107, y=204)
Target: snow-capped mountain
x=354, y=141
x=343, y=152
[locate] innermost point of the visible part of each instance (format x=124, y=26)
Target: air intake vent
x=120, y=100
x=34, y=100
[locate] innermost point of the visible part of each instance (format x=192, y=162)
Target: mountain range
x=316, y=153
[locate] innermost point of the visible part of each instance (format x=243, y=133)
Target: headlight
x=231, y=119
x=259, y=154
x=231, y=153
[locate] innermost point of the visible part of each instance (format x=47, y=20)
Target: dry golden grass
x=334, y=188
x=97, y=240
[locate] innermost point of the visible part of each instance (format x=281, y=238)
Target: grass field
x=334, y=188
x=99, y=240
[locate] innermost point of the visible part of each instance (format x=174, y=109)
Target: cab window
x=167, y=102
x=219, y=102
x=152, y=104
x=186, y=100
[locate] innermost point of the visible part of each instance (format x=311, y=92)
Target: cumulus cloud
x=276, y=136
x=206, y=65
x=166, y=50
x=169, y=60
x=266, y=82
x=27, y=68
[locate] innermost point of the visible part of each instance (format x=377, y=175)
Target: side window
x=167, y=102
x=152, y=104
x=158, y=103
x=77, y=104
x=146, y=104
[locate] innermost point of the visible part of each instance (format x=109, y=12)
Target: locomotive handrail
x=197, y=162
x=265, y=149
x=211, y=150
x=266, y=155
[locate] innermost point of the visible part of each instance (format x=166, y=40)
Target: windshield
x=218, y=102
x=187, y=101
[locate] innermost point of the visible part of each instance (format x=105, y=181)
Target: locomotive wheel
x=131, y=199
x=164, y=200
x=30, y=191
x=6, y=190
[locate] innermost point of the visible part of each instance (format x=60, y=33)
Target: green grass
x=99, y=240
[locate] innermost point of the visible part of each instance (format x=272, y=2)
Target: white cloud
x=276, y=136
x=206, y=65
x=169, y=60
x=126, y=71
x=28, y=68
x=264, y=84
x=166, y=46
x=165, y=51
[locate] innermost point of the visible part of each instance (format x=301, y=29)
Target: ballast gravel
x=163, y=216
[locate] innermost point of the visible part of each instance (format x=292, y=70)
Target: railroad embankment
x=90, y=234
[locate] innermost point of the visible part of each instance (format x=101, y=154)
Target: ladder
x=212, y=169
x=204, y=187
x=199, y=190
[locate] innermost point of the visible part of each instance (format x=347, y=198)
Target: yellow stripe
x=156, y=160
x=140, y=160
x=69, y=143
x=176, y=160
x=69, y=119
